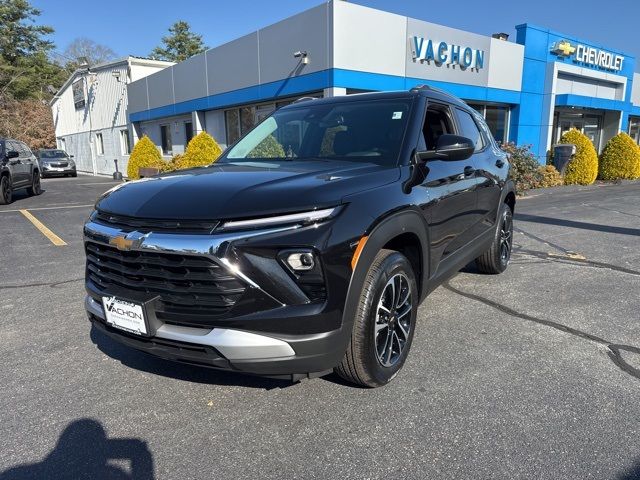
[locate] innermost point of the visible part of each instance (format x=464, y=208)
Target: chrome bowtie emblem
x=127, y=242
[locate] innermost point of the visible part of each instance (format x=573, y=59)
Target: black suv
x=308, y=246
x=18, y=169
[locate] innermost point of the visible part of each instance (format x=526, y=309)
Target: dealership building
x=530, y=90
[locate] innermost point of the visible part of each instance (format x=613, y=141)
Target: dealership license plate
x=125, y=315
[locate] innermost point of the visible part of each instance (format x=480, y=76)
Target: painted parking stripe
x=53, y=238
x=49, y=208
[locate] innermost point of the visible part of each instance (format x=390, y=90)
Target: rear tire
x=384, y=324
x=6, y=191
x=496, y=259
x=35, y=188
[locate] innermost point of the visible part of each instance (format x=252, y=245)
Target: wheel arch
x=405, y=231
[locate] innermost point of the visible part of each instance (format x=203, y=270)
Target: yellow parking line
x=56, y=240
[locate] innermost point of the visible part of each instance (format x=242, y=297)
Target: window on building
x=239, y=121
x=634, y=128
x=247, y=118
x=497, y=118
x=125, y=144
x=99, y=144
x=470, y=129
x=62, y=144
x=188, y=132
x=165, y=138
x=232, y=121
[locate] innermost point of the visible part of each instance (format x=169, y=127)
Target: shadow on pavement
x=83, y=451
x=523, y=217
x=180, y=371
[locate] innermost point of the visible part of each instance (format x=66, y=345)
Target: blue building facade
x=530, y=90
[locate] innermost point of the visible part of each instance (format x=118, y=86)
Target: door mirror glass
x=449, y=147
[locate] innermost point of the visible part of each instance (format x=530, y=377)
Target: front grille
x=191, y=288
x=145, y=225
x=59, y=164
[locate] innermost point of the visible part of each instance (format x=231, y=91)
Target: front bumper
x=296, y=357
x=268, y=332
x=48, y=170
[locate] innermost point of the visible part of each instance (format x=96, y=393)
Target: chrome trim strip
x=211, y=246
x=93, y=307
x=233, y=344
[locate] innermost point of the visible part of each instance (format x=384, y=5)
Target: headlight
x=304, y=218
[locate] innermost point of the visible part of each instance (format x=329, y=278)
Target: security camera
x=302, y=54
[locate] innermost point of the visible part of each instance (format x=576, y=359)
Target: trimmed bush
x=620, y=159
x=583, y=167
x=267, y=148
x=525, y=169
x=550, y=177
x=202, y=150
x=144, y=154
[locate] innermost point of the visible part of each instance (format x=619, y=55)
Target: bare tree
x=84, y=49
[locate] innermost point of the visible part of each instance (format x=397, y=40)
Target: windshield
x=358, y=131
x=52, y=154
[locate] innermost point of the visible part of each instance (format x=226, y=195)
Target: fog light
x=301, y=261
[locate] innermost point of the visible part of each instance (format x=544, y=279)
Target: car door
x=15, y=164
x=451, y=188
x=28, y=162
x=487, y=163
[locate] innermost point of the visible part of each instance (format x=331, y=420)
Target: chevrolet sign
x=588, y=55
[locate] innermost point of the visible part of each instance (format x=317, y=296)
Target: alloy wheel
x=393, y=320
x=506, y=237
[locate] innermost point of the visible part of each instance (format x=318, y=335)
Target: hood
x=244, y=190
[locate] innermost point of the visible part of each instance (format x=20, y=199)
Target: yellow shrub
x=583, y=167
x=144, y=155
x=620, y=159
x=550, y=177
x=267, y=148
x=202, y=150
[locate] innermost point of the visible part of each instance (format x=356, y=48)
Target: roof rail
x=418, y=88
x=304, y=99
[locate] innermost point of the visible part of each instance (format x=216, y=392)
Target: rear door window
x=469, y=129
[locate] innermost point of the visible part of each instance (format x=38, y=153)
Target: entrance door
x=590, y=125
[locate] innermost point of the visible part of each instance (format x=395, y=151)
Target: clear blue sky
x=136, y=26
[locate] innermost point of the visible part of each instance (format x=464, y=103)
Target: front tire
x=384, y=324
x=496, y=259
x=6, y=191
x=35, y=188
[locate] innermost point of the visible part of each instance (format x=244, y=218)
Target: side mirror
x=449, y=147
x=12, y=154
x=71, y=156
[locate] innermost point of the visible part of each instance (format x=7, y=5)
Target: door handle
x=499, y=163
x=468, y=171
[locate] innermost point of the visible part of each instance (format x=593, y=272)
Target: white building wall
x=105, y=112
x=635, y=90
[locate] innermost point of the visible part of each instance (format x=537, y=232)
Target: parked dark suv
x=308, y=246
x=18, y=169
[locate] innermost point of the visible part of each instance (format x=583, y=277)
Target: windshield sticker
x=396, y=116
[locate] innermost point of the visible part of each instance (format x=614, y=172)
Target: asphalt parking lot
x=531, y=374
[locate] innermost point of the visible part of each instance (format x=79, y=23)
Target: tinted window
x=359, y=131
x=52, y=154
x=26, y=151
x=437, y=122
x=469, y=129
